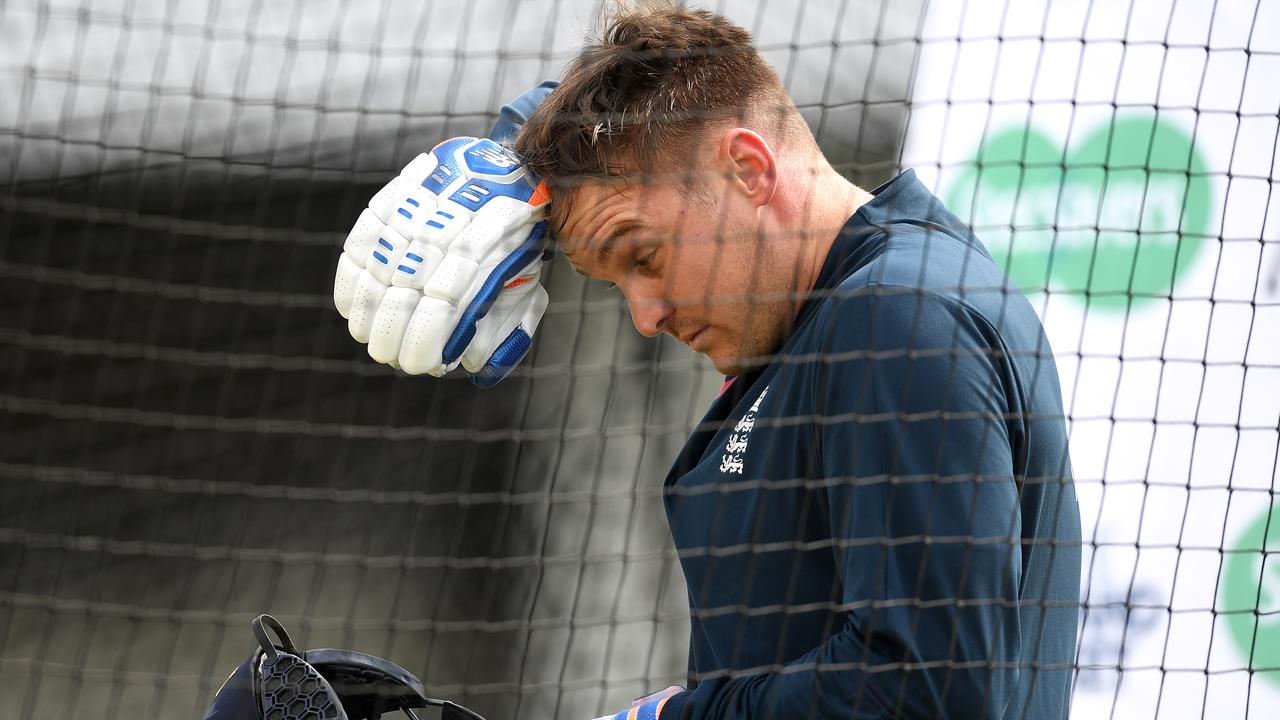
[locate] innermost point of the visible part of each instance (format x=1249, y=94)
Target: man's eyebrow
x=605, y=251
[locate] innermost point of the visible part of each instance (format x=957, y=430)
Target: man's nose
x=650, y=312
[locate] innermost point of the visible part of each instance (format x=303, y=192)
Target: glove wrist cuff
x=651, y=710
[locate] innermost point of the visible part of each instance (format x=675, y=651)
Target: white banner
x=1119, y=160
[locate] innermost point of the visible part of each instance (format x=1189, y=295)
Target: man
x=876, y=517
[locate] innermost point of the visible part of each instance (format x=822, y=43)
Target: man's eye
x=647, y=259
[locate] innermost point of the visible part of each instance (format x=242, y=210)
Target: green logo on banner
x=1251, y=582
x=1122, y=213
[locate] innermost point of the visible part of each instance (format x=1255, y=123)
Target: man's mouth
x=693, y=338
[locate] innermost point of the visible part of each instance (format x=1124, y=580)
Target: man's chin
x=735, y=365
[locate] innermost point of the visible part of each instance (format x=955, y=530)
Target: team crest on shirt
x=735, y=449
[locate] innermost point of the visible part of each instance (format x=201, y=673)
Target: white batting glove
x=443, y=267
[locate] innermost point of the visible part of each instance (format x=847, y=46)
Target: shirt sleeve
x=915, y=447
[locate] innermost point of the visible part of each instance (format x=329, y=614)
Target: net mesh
x=192, y=438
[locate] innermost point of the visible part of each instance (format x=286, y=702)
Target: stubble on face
x=763, y=316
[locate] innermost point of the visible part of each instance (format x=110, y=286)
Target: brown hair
x=636, y=98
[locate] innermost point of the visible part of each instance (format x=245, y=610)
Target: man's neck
x=833, y=201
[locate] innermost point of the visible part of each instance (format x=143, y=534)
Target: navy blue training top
x=882, y=521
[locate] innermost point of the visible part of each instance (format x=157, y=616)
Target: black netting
x=191, y=437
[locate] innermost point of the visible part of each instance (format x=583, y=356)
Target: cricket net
x=191, y=437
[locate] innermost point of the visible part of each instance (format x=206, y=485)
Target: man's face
x=690, y=261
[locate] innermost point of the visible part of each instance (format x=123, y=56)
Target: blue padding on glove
x=448, y=169
x=511, y=266
x=508, y=355
x=489, y=158
x=472, y=199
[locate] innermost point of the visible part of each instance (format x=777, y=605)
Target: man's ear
x=751, y=165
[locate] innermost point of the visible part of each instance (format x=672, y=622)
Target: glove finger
x=389, y=323
x=363, y=237
x=344, y=284
x=360, y=242
x=420, y=167
x=451, y=280
x=419, y=261
x=393, y=195
x=383, y=202
x=425, y=336
x=386, y=254
x=499, y=217
x=364, y=305
x=504, y=273
x=440, y=227
x=488, y=360
x=410, y=207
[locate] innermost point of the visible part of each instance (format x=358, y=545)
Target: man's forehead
x=593, y=208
